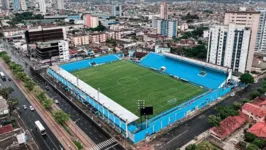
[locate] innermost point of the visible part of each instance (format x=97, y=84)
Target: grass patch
x=126, y=83
x=79, y=146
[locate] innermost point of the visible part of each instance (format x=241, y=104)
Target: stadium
x=113, y=87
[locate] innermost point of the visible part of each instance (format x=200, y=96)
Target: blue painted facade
x=16, y=5
x=158, y=122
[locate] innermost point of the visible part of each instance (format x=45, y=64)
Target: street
x=97, y=135
x=47, y=142
x=187, y=131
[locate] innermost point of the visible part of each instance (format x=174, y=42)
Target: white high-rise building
x=23, y=5
x=42, y=6
x=63, y=50
x=116, y=10
x=60, y=4
x=5, y=4
x=228, y=46
x=261, y=34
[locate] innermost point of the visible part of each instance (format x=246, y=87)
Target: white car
x=31, y=108
x=56, y=101
x=25, y=107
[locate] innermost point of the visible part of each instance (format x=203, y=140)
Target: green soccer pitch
x=126, y=83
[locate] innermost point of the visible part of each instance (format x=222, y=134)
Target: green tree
x=6, y=91
x=261, y=90
x=12, y=102
x=254, y=94
x=259, y=142
x=245, y=100
x=237, y=105
x=226, y=111
x=205, y=145
x=60, y=116
x=41, y=96
x=246, y=78
x=214, y=120
x=47, y=103
x=249, y=137
x=29, y=84
x=21, y=76
x=252, y=147
x=191, y=147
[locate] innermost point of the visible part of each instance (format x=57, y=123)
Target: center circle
x=127, y=81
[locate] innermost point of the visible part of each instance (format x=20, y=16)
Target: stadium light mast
x=141, y=105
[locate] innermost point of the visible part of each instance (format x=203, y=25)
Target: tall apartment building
x=5, y=4
x=80, y=40
x=164, y=11
x=90, y=21
x=98, y=37
x=261, y=34
x=116, y=10
x=167, y=28
x=42, y=6
x=23, y=5
x=228, y=46
x=52, y=50
x=45, y=34
x=249, y=19
x=16, y=5
x=61, y=6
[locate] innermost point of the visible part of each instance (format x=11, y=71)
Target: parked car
x=56, y=101
x=24, y=107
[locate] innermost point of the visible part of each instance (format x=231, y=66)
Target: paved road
x=48, y=142
x=186, y=132
x=97, y=135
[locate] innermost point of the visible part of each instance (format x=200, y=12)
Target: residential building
x=23, y=5
x=45, y=34
x=42, y=6
x=90, y=21
x=154, y=21
x=249, y=19
x=5, y=4
x=261, y=34
x=80, y=40
x=167, y=28
x=98, y=37
x=258, y=129
x=228, y=46
x=161, y=49
x=116, y=35
x=164, y=11
x=116, y=10
x=254, y=112
x=16, y=5
x=52, y=50
x=60, y=6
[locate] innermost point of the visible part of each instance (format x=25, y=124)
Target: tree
x=47, y=103
x=60, y=116
x=249, y=137
x=226, y=111
x=191, y=147
x=245, y=100
x=6, y=91
x=261, y=90
x=205, y=145
x=214, y=120
x=237, y=105
x=252, y=147
x=29, y=84
x=254, y=94
x=246, y=78
x=259, y=142
x=12, y=102
x=21, y=76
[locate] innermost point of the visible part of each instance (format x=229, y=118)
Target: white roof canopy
x=108, y=103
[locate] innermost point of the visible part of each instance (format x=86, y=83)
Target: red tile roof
x=254, y=109
x=6, y=128
x=259, y=129
x=229, y=125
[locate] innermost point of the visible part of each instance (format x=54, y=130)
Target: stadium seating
x=86, y=63
x=212, y=79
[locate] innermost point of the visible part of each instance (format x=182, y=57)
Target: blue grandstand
x=185, y=70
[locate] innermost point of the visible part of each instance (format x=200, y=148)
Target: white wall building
x=60, y=4
x=42, y=6
x=261, y=34
x=228, y=46
x=63, y=50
